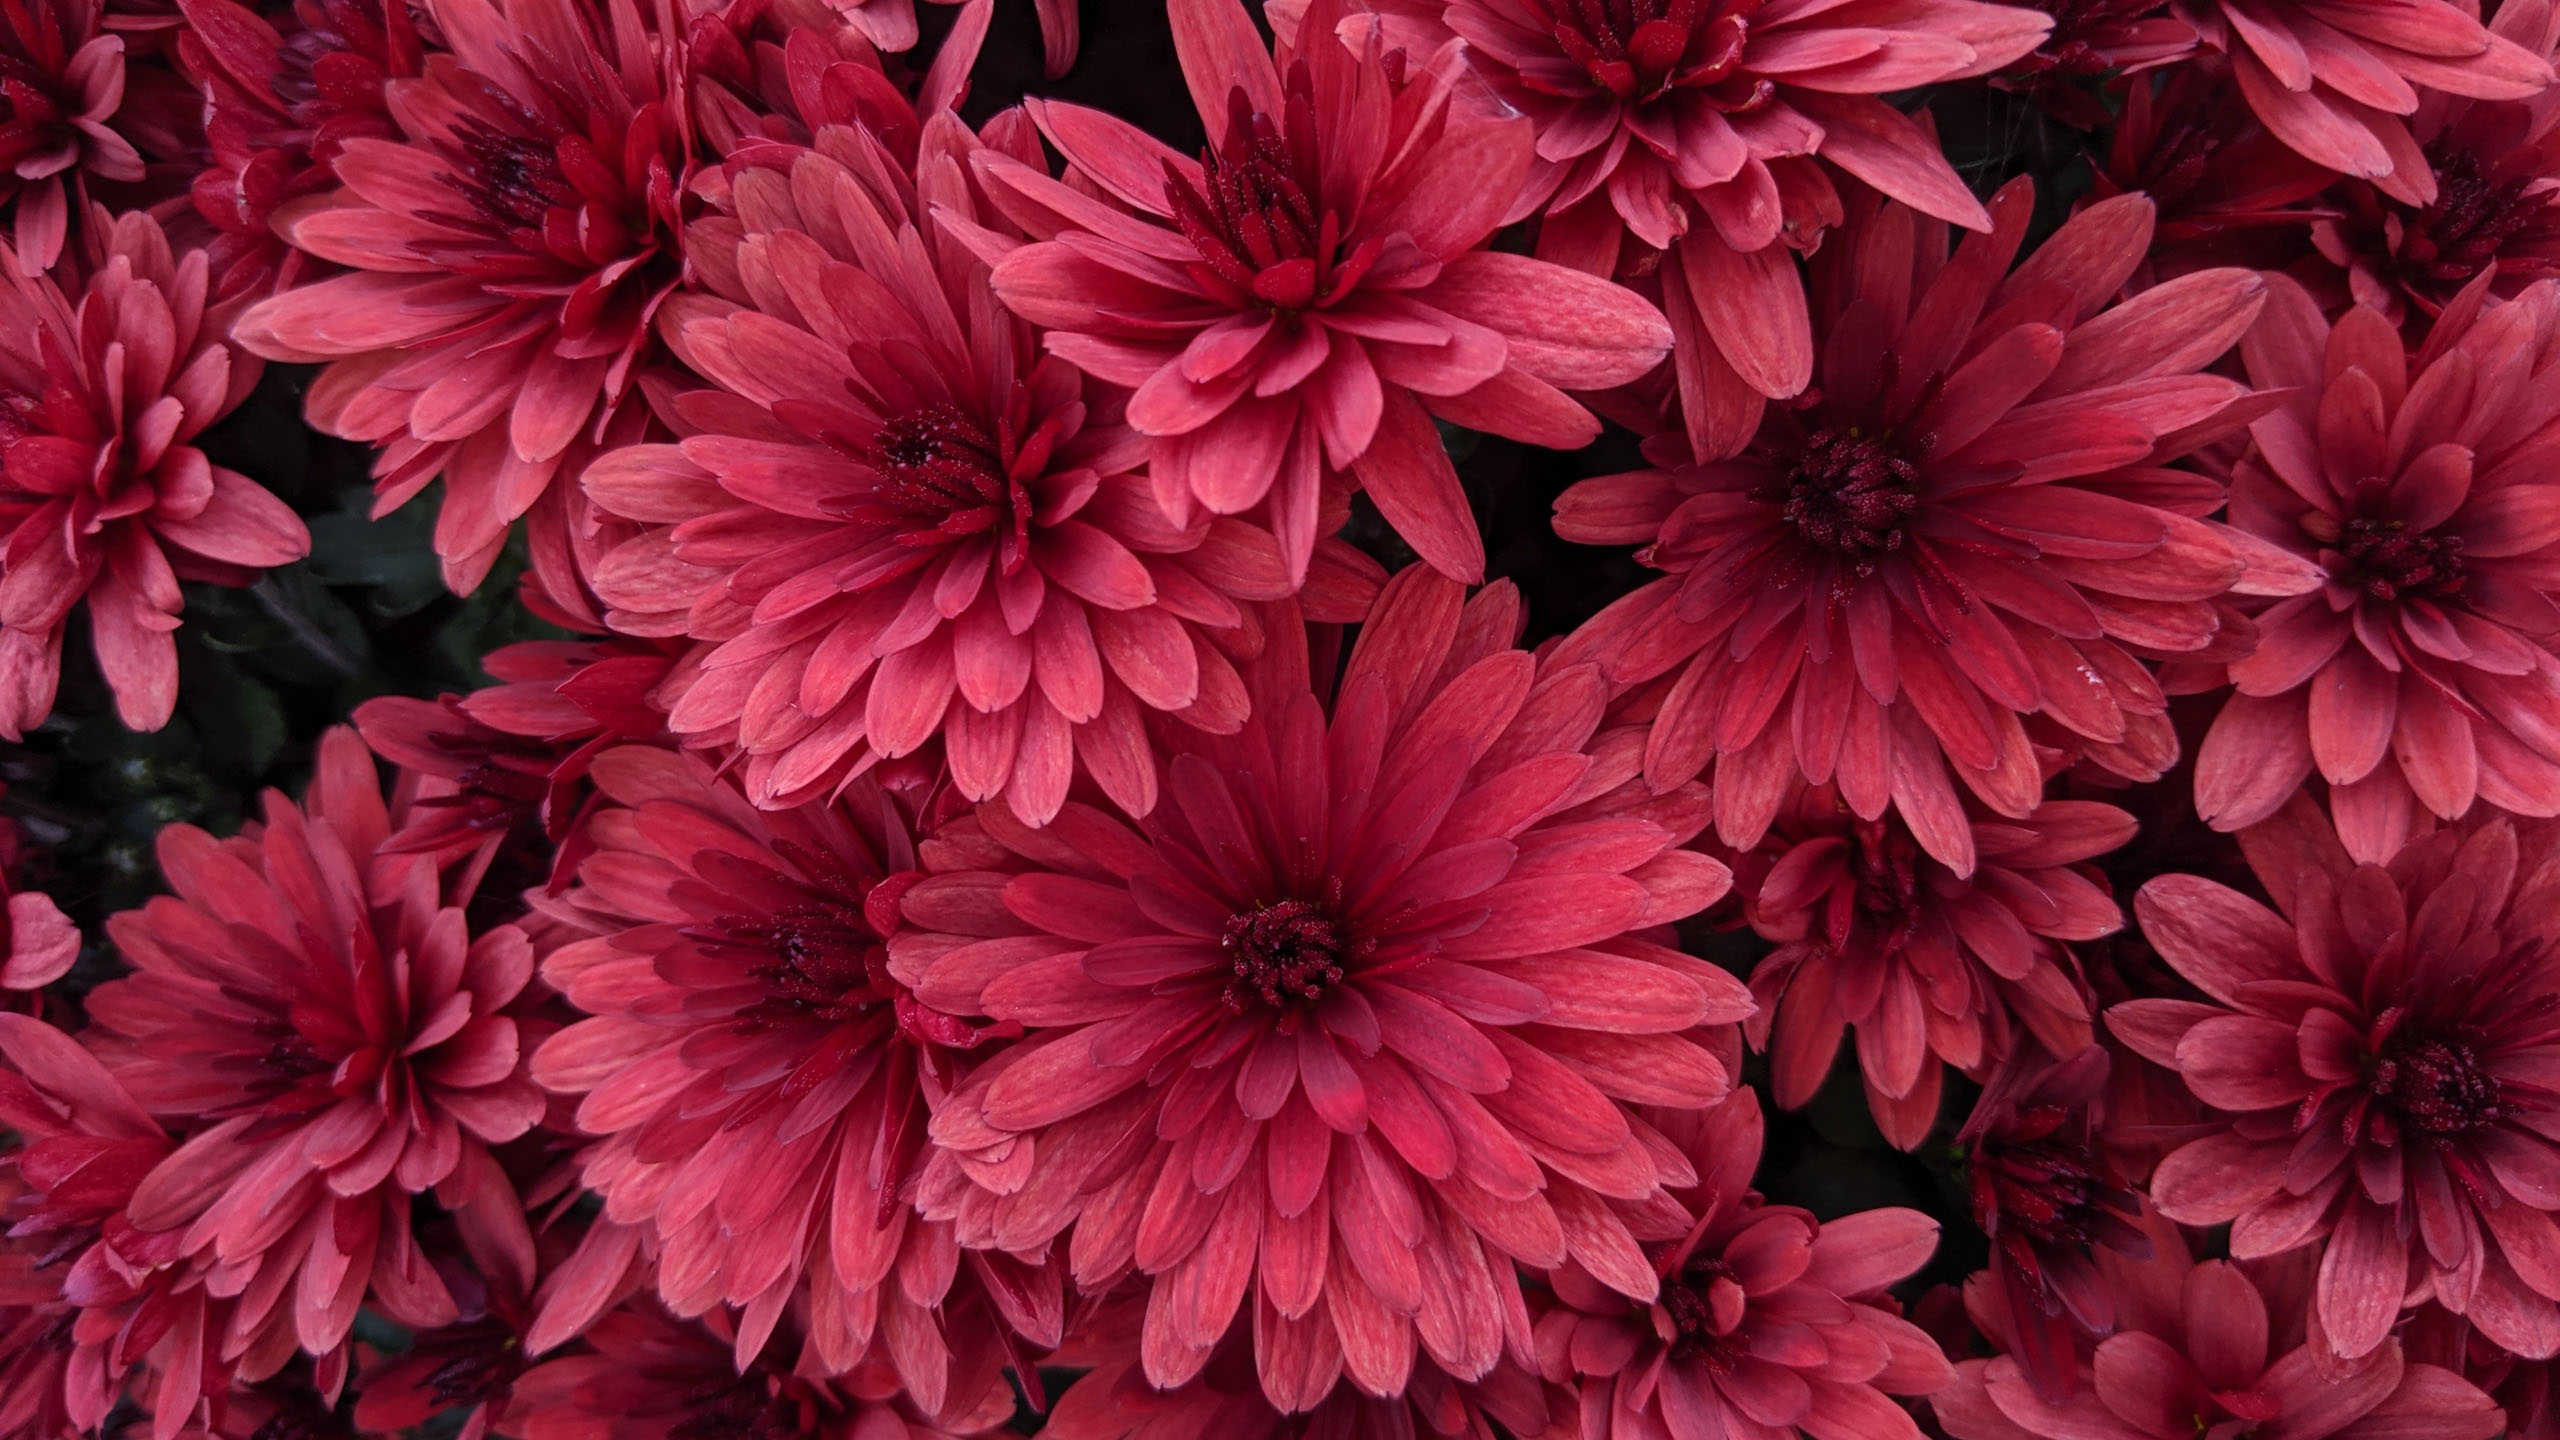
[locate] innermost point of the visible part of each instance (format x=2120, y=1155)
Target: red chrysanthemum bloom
x=2497, y=167
x=1968, y=525
x=338, y=1038
x=508, y=254
x=1926, y=966
x=2091, y=40
x=1113, y=1401
x=1768, y=1322
x=62, y=79
x=1298, y=304
x=2226, y=191
x=2048, y=1199
x=108, y=1304
x=504, y=762
x=283, y=90
x=2421, y=673
x=2378, y=1054
x=641, y=1374
x=2213, y=1351
x=1353, y=1023
x=2336, y=79
x=762, y=1084
x=1689, y=126
x=894, y=519
x=107, y=375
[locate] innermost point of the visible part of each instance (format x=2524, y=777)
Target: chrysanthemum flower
x=1113, y=1401
x=2046, y=1196
x=1926, y=966
x=1767, y=1322
x=762, y=1084
x=107, y=1306
x=1299, y=303
x=1965, y=527
x=283, y=90
x=2215, y=1349
x=2336, y=79
x=506, y=761
x=2377, y=1054
x=2496, y=165
x=2226, y=191
x=508, y=253
x=336, y=1039
x=1352, y=1024
x=108, y=372
x=62, y=79
x=894, y=519
x=2421, y=673
x=641, y=1374
x=1690, y=126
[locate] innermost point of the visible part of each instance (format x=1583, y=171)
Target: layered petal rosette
x=109, y=370
x=337, y=1038
x=1352, y=1023
x=1691, y=127
x=2218, y=1349
x=895, y=519
x=2377, y=1052
x=507, y=252
x=761, y=1085
x=1928, y=968
x=1967, y=524
x=1767, y=1322
x=62, y=82
x=2420, y=676
x=2336, y=80
x=1294, y=308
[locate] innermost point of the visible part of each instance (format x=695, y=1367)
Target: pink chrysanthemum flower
x=62, y=80
x=1924, y=965
x=1353, y=1023
x=2421, y=673
x=2497, y=169
x=2214, y=1350
x=641, y=1374
x=2336, y=79
x=2378, y=1055
x=1294, y=308
x=283, y=90
x=1690, y=127
x=895, y=519
x=109, y=1307
x=2048, y=1199
x=508, y=253
x=1768, y=1322
x=338, y=1039
x=1113, y=1401
x=1966, y=527
x=108, y=372
x=762, y=1084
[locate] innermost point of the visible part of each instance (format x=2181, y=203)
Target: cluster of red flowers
x=1032, y=915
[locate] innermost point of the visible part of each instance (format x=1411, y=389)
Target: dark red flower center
x=2471, y=220
x=2078, y=46
x=2388, y=561
x=1257, y=217
x=514, y=179
x=1885, y=862
x=946, y=477
x=1706, y=1305
x=1283, y=953
x=1850, y=493
x=1637, y=49
x=2436, y=1086
x=821, y=967
x=778, y=1409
